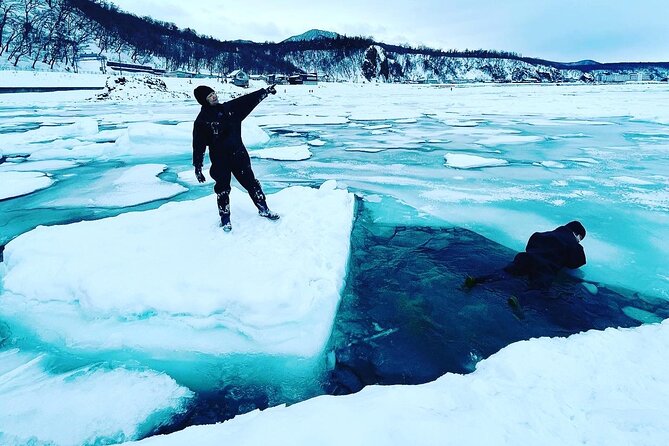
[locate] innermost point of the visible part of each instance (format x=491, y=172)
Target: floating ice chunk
x=148, y=139
x=38, y=166
x=552, y=164
x=82, y=127
x=285, y=153
x=103, y=136
x=658, y=199
x=463, y=161
x=385, y=114
x=583, y=389
x=75, y=150
x=316, y=142
x=363, y=149
x=378, y=132
x=252, y=134
x=509, y=139
x=584, y=160
x=466, y=195
x=632, y=180
x=188, y=176
x=124, y=187
x=406, y=121
x=563, y=122
x=292, y=134
x=15, y=184
x=377, y=127
x=290, y=119
x=170, y=280
x=90, y=405
x=482, y=131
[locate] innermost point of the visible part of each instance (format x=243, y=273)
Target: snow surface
x=15, y=184
x=599, y=388
x=174, y=276
x=86, y=405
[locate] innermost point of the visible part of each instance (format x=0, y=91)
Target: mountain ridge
x=71, y=29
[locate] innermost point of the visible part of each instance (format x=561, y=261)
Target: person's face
x=578, y=237
x=212, y=98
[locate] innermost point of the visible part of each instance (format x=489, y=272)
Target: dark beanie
x=577, y=228
x=201, y=94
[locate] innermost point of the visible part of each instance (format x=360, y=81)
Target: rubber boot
x=258, y=198
x=223, y=201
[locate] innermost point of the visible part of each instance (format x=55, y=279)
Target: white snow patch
x=377, y=127
x=284, y=153
x=463, y=161
x=552, y=164
x=15, y=184
x=632, y=180
x=509, y=139
x=316, y=142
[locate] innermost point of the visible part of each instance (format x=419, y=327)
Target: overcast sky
x=559, y=30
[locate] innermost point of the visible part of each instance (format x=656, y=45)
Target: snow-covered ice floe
x=174, y=276
x=15, y=184
x=599, y=387
x=123, y=187
x=90, y=405
x=464, y=161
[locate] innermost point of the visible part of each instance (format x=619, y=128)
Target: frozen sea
x=478, y=168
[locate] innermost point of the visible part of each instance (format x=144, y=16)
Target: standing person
x=219, y=126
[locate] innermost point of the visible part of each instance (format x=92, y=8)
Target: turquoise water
x=421, y=228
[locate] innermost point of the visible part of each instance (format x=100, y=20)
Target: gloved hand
x=199, y=175
x=271, y=89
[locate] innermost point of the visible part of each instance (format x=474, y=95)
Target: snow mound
x=132, y=88
x=173, y=275
x=575, y=396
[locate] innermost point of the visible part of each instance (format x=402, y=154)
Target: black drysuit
x=546, y=253
x=220, y=128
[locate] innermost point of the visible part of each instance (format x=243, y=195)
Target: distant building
x=239, y=78
x=132, y=68
x=310, y=78
x=278, y=79
x=621, y=77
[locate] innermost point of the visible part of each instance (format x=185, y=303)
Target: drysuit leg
x=222, y=189
x=241, y=169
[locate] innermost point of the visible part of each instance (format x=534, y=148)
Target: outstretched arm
x=241, y=107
